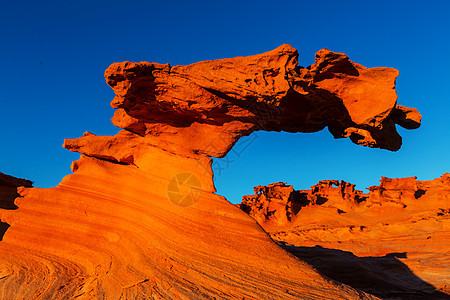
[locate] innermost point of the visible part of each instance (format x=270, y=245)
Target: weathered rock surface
x=138, y=218
x=392, y=241
x=204, y=108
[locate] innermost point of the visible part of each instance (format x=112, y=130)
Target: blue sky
x=54, y=55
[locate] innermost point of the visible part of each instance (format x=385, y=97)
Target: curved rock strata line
x=138, y=218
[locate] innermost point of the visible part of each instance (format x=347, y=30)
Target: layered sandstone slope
x=138, y=218
x=391, y=241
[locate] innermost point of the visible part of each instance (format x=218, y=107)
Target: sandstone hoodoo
x=139, y=217
x=392, y=241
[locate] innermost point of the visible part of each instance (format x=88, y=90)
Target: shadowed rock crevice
x=8, y=190
x=8, y=194
x=3, y=228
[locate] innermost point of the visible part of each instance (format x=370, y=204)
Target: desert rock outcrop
x=392, y=241
x=138, y=218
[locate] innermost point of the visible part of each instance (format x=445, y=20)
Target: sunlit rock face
x=138, y=218
x=392, y=241
x=204, y=108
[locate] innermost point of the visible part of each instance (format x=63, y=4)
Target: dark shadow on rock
x=419, y=193
x=8, y=193
x=8, y=190
x=7, y=196
x=3, y=228
x=385, y=277
x=320, y=200
x=297, y=200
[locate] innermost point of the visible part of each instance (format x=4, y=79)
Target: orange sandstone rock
x=138, y=218
x=392, y=241
x=181, y=108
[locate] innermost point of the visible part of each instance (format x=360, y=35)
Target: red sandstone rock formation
x=138, y=218
x=392, y=241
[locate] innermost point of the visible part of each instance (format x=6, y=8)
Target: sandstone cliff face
x=392, y=241
x=138, y=218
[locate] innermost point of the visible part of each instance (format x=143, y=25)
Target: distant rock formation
x=392, y=241
x=138, y=218
x=279, y=203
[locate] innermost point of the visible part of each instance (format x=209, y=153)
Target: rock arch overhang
x=121, y=226
x=204, y=108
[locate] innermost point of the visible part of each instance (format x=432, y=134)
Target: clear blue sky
x=54, y=55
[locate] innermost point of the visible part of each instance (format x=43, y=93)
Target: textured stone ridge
x=392, y=241
x=138, y=218
x=204, y=108
x=278, y=203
